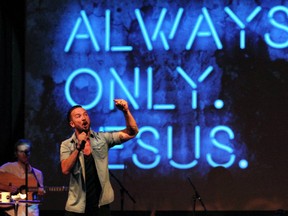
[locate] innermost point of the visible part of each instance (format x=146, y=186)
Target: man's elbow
x=134, y=131
x=132, y=135
x=65, y=172
x=64, y=169
x=128, y=135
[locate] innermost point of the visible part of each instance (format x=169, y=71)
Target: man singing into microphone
x=18, y=171
x=85, y=157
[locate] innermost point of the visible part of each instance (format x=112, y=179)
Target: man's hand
x=131, y=129
x=121, y=104
x=41, y=191
x=82, y=137
x=13, y=189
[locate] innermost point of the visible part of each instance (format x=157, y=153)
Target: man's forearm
x=131, y=124
x=67, y=164
x=131, y=129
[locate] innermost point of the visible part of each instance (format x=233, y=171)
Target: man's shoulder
x=111, y=137
x=8, y=164
x=9, y=167
x=69, y=140
x=101, y=134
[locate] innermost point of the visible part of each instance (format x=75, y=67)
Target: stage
x=182, y=213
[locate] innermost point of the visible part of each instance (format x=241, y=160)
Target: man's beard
x=84, y=128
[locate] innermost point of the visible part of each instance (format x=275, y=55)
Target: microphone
x=82, y=145
x=83, y=142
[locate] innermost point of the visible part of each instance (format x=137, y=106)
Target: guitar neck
x=50, y=189
x=56, y=188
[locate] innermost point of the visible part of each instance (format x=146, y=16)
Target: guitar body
x=10, y=179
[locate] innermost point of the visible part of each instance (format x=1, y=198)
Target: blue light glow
x=156, y=160
x=234, y=17
x=194, y=162
x=140, y=88
x=176, y=23
x=205, y=74
x=78, y=73
x=186, y=77
x=159, y=23
x=74, y=34
x=241, y=24
x=107, y=30
x=219, y=160
x=198, y=33
x=218, y=104
x=212, y=28
x=143, y=29
x=125, y=90
x=243, y=164
x=268, y=36
x=194, y=99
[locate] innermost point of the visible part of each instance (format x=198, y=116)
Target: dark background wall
x=12, y=37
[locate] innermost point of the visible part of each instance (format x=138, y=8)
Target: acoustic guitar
x=20, y=183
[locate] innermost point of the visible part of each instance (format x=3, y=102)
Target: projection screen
x=205, y=80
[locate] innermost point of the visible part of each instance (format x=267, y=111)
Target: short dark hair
x=70, y=111
x=22, y=142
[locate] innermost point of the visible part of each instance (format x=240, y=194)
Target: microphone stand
x=122, y=190
x=195, y=197
x=26, y=188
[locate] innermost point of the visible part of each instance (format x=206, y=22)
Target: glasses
x=26, y=152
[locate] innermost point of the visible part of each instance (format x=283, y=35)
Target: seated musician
x=19, y=170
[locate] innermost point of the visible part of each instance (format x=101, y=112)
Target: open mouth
x=85, y=125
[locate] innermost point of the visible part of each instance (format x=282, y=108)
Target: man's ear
x=72, y=124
